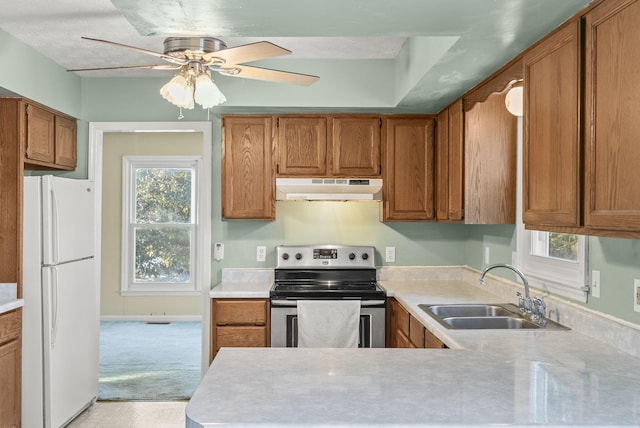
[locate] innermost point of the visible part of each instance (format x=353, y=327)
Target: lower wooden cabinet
x=406, y=331
x=10, y=368
x=239, y=323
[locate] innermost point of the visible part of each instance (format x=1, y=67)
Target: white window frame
x=128, y=286
x=562, y=277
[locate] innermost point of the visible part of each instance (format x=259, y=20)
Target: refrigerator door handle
x=54, y=304
x=54, y=225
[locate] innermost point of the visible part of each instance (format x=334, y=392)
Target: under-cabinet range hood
x=329, y=189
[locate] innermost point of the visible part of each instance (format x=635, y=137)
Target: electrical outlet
x=390, y=254
x=636, y=295
x=595, y=283
x=487, y=255
x=261, y=253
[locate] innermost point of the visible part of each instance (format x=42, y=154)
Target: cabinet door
x=10, y=368
x=409, y=169
x=247, y=168
x=65, y=142
x=40, y=134
x=416, y=332
x=431, y=341
x=355, y=143
x=551, y=146
x=490, y=139
x=302, y=146
x=450, y=163
x=612, y=103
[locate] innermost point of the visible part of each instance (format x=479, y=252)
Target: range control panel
x=325, y=256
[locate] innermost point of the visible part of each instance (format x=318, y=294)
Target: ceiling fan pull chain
x=208, y=115
x=180, y=116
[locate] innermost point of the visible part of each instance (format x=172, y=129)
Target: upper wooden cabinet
x=450, y=163
x=476, y=153
x=409, y=168
x=48, y=138
x=328, y=146
x=248, y=179
x=551, y=138
x=302, y=146
x=580, y=128
x=612, y=128
x=355, y=146
x=11, y=173
x=490, y=144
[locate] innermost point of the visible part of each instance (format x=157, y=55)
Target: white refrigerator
x=60, y=344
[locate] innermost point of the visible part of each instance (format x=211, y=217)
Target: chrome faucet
x=523, y=303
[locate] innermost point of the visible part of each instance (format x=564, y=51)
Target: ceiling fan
x=195, y=57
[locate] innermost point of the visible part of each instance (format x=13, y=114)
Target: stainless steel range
x=326, y=272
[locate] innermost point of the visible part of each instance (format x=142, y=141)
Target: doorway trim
x=96, y=142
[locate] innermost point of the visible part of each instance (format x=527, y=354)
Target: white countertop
x=243, y=284
x=517, y=378
x=8, y=299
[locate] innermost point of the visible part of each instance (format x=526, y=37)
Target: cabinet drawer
x=10, y=324
x=240, y=336
x=245, y=311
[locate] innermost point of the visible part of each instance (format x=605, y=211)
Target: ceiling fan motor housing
x=180, y=46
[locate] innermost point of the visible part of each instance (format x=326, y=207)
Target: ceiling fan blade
x=268, y=74
x=149, y=67
x=247, y=53
x=144, y=51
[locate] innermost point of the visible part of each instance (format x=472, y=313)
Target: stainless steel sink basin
x=485, y=316
x=488, y=323
x=444, y=311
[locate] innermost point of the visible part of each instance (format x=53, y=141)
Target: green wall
x=106, y=100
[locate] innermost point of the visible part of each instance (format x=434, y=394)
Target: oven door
x=284, y=324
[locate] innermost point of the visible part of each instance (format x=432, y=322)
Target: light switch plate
x=636, y=295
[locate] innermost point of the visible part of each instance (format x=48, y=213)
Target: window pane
x=162, y=255
x=563, y=246
x=163, y=195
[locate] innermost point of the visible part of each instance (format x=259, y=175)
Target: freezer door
x=68, y=220
x=71, y=343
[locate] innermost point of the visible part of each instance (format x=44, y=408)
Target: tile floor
x=132, y=414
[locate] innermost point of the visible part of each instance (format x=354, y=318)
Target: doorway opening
x=154, y=292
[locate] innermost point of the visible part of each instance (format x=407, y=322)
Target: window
x=159, y=230
x=555, y=262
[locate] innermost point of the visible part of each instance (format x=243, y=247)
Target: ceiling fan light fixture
x=192, y=85
x=207, y=93
x=178, y=90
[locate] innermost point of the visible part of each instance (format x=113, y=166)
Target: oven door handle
x=295, y=302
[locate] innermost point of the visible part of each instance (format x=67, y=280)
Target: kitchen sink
x=479, y=316
x=488, y=322
x=445, y=311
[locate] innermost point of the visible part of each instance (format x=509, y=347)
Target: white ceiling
x=489, y=32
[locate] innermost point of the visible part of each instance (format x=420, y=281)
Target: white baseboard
x=151, y=318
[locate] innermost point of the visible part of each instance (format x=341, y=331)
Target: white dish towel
x=328, y=323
